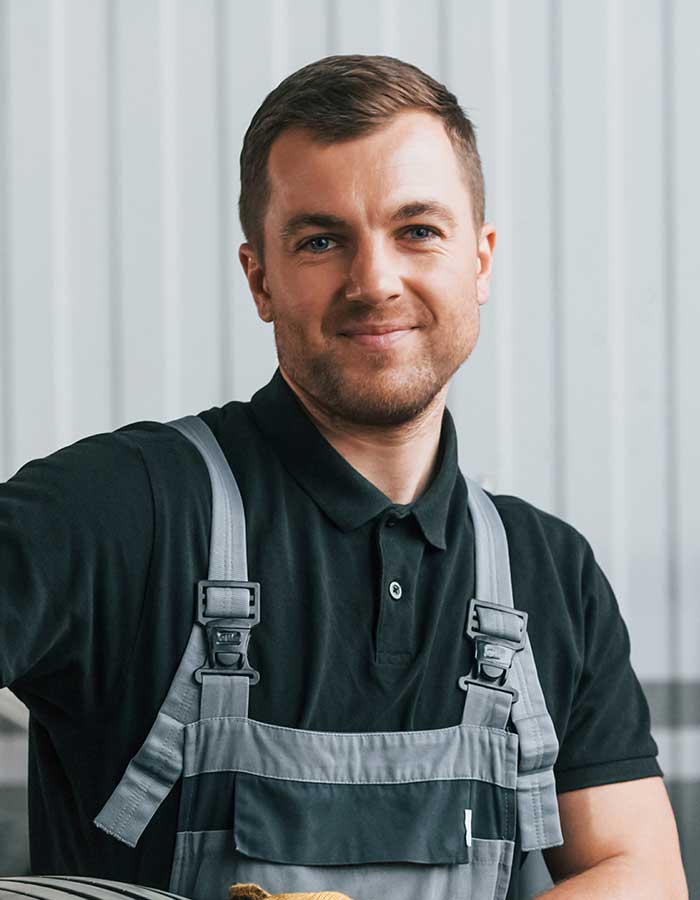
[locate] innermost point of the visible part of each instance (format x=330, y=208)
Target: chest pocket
x=312, y=824
x=405, y=815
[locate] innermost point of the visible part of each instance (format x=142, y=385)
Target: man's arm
x=620, y=842
x=75, y=542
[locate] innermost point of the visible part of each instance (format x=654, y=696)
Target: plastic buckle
x=228, y=638
x=493, y=656
x=475, y=632
x=466, y=680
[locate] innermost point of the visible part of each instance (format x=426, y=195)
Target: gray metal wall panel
x=532, y=242
x=639, y=409
x=81, y=220
x=476, y=390
x=585, y=340
x=256, y=47
x=30, y=344
x=682, y=290
x=137, y=242
x=683, y=398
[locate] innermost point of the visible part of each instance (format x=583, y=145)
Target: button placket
x=400, y=549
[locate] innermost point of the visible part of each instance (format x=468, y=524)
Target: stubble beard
x=379, y=392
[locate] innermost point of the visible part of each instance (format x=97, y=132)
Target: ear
x=484, y=265
x=257, y=282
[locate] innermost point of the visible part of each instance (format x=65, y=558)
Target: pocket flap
x=313, y=823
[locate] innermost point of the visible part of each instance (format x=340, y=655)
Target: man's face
x=330, y=286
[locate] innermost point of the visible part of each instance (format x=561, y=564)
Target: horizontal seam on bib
x=317, y=781
x=350, y=734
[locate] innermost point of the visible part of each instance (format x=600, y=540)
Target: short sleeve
x=76, y=532
x=608, y=737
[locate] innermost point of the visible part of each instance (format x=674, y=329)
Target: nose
x=374, y=275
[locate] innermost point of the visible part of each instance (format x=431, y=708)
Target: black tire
x=62, y=887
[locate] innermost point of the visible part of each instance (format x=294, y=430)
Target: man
x=362, y=203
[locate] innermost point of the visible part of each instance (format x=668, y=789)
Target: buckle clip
x=228, y=637
x=493, y=656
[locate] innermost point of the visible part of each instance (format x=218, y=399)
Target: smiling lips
x=378, y=337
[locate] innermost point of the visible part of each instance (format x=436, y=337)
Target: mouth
x=378, y=338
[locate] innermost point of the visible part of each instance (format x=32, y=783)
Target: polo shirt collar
x=346, y=496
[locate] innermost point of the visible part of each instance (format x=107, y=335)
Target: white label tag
x=468, y=827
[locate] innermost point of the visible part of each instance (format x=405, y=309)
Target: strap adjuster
x=493, y=653
x=228, y=637
x=475, y=631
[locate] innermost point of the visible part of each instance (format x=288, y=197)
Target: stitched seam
x=540, y=816
x=349, y=734
x=338, y=781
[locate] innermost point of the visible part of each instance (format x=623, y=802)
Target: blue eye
x=422, y=228
x=323, y=237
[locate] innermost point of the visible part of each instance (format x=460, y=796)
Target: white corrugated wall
x=122, y=297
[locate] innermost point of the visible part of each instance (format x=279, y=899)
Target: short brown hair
x=341, y=97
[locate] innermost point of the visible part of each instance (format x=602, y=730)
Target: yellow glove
x=255, y=892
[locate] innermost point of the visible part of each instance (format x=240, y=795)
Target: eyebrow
x=409, y=210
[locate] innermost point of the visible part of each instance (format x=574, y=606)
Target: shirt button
x=395, y=590
x=391, y=521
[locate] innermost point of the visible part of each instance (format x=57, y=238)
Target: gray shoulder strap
x=538, y=810
x=157, y=765
x=227, y=543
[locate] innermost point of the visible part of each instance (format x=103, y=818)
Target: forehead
x=410, y=156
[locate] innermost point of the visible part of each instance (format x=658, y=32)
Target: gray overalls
x=396, y=815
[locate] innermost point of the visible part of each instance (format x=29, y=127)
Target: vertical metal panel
x=502, y=212
x=191, y=86
x=585, y=344
x=137, y=133
x=248, y=63
x=643, y=467
x=532, y=183
x=60, y=310
x=556, y=146
x=682, y=283
x=5, y=310
x=683, y=274
x=359, y=30
x=410, y=31
x=475, y=389
x=82, y=229
x=226, y=169
x=172, y=215
x=196, y=139
x=29, y=243
x=617, y=561
x=113, y=212
x=307, y=37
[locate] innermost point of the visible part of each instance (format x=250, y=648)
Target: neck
x=398, y=460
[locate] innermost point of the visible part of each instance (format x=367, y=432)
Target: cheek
x=451, y=282
x=455, y=301
x=301, y=317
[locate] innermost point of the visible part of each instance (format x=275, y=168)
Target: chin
x=373, y=402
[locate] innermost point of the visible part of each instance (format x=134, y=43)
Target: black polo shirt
x=102, y=542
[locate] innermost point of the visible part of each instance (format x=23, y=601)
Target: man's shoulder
x=127, y=442
x=529, y=524
x=553, y=566
x=99, y=448
x=107, y=469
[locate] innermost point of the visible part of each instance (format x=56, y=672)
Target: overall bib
x=396, y=815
